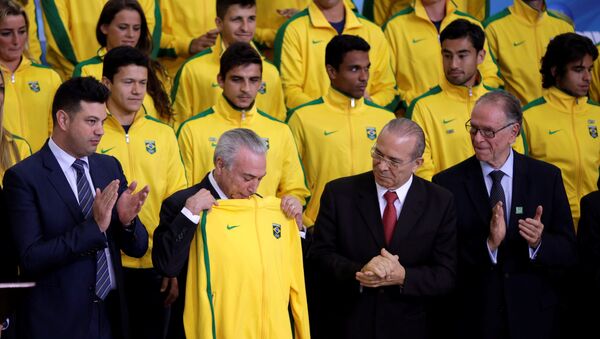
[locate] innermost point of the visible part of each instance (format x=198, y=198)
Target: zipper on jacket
x=12, y=78
x=127, y=137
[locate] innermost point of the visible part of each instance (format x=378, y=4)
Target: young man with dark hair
x=148, y=150
x=334, y=132
x=195, y=87
x=561, y=127
x=300, y=48
x=240, y=78
x=443, y=110
x=71, y=214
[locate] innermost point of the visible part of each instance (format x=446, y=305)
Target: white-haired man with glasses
x=384, y=244
x=515, y=232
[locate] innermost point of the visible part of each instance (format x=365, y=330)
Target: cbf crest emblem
x=150, y=146
x=276, y=231
x=371, y=133
x=263, y=88
x=593, y=131
x=266, y=141
x=34, y=86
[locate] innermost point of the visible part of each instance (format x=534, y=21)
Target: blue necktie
x=86, y=199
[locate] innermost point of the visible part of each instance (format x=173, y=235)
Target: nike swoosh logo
x=325, y=133
x=214, y=84
x=414, y=41
x=553, y=132
x=213, y=144
x=230, y=227
x=518, y=43
x=104, y=150
x=316, y=41
x=447, y=121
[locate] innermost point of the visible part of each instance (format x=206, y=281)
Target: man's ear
x=62, y=119
x=331, y=72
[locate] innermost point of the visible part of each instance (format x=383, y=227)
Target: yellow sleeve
x=278, y=103
x=382, y=83
x=56, y=82
x=198, y=311
x=171, y=44
x=427, y=170
x=291, y=64
x=177, y=179
x=265, y=36
x=489, y=69
x=295, y=125
x=186, y=147
x=60, y=51
x=35, y=48
x=292, y=180
x=595, y=86
x=298, y=301
x=182, y=96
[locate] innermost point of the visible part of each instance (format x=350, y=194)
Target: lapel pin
x=518, y=210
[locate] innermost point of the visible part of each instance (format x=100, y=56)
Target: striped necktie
x=86, y=199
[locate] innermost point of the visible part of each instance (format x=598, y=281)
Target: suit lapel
x=412, y=208
x=368, y=207
x=475, y=186
x=59, y=182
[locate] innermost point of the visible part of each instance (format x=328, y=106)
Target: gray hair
x=509, y=104
x=402, y=127
x=233, y=140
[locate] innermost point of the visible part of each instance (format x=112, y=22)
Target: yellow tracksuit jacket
x=563, y=130
x=28, y=95
x=93, y=67
x=268, y=20
x=595, y=86
x=22, y=148
x=417, y=52
x=245, y=271
x=183, y=21
x=198, y=137
x=300, y=56
x=379, y=11
x=195, y=88
x=149, y=155
x=70, y=28
x=518, y=37
x=334, y=135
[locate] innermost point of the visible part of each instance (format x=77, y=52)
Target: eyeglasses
x=392, y=163
x=486, y=133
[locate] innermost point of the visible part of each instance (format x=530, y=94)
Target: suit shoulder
x=538, y=167
x=350, y=182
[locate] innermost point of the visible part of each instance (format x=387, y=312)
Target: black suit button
x=506, y=275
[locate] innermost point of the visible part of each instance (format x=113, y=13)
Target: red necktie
x=389, y=215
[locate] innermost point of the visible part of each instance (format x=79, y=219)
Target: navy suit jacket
x=349, y=232
x=57, y=247
x=518, y=294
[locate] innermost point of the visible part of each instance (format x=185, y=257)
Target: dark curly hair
x=562, y=50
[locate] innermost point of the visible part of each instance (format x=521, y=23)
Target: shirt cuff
x=534, y=251
x=188, y=214
x=493, y=254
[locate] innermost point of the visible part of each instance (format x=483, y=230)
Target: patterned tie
x=497, y=192
x=86, y=199
x=389, y=216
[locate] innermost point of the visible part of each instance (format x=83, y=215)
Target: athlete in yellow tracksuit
x=300, y=53
x=70, y=30
x=379, y=11
x=518, y=37
x=149, y=154
x=93, y=67
x=563, y=130
x=442, y=113
x=18, y=148
x=198, y=137
x=195, y=88
x=417, y=62
x=334, y=135
x=183, y=21
x=34, y=48
x=28, y=95
x=244, y=273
